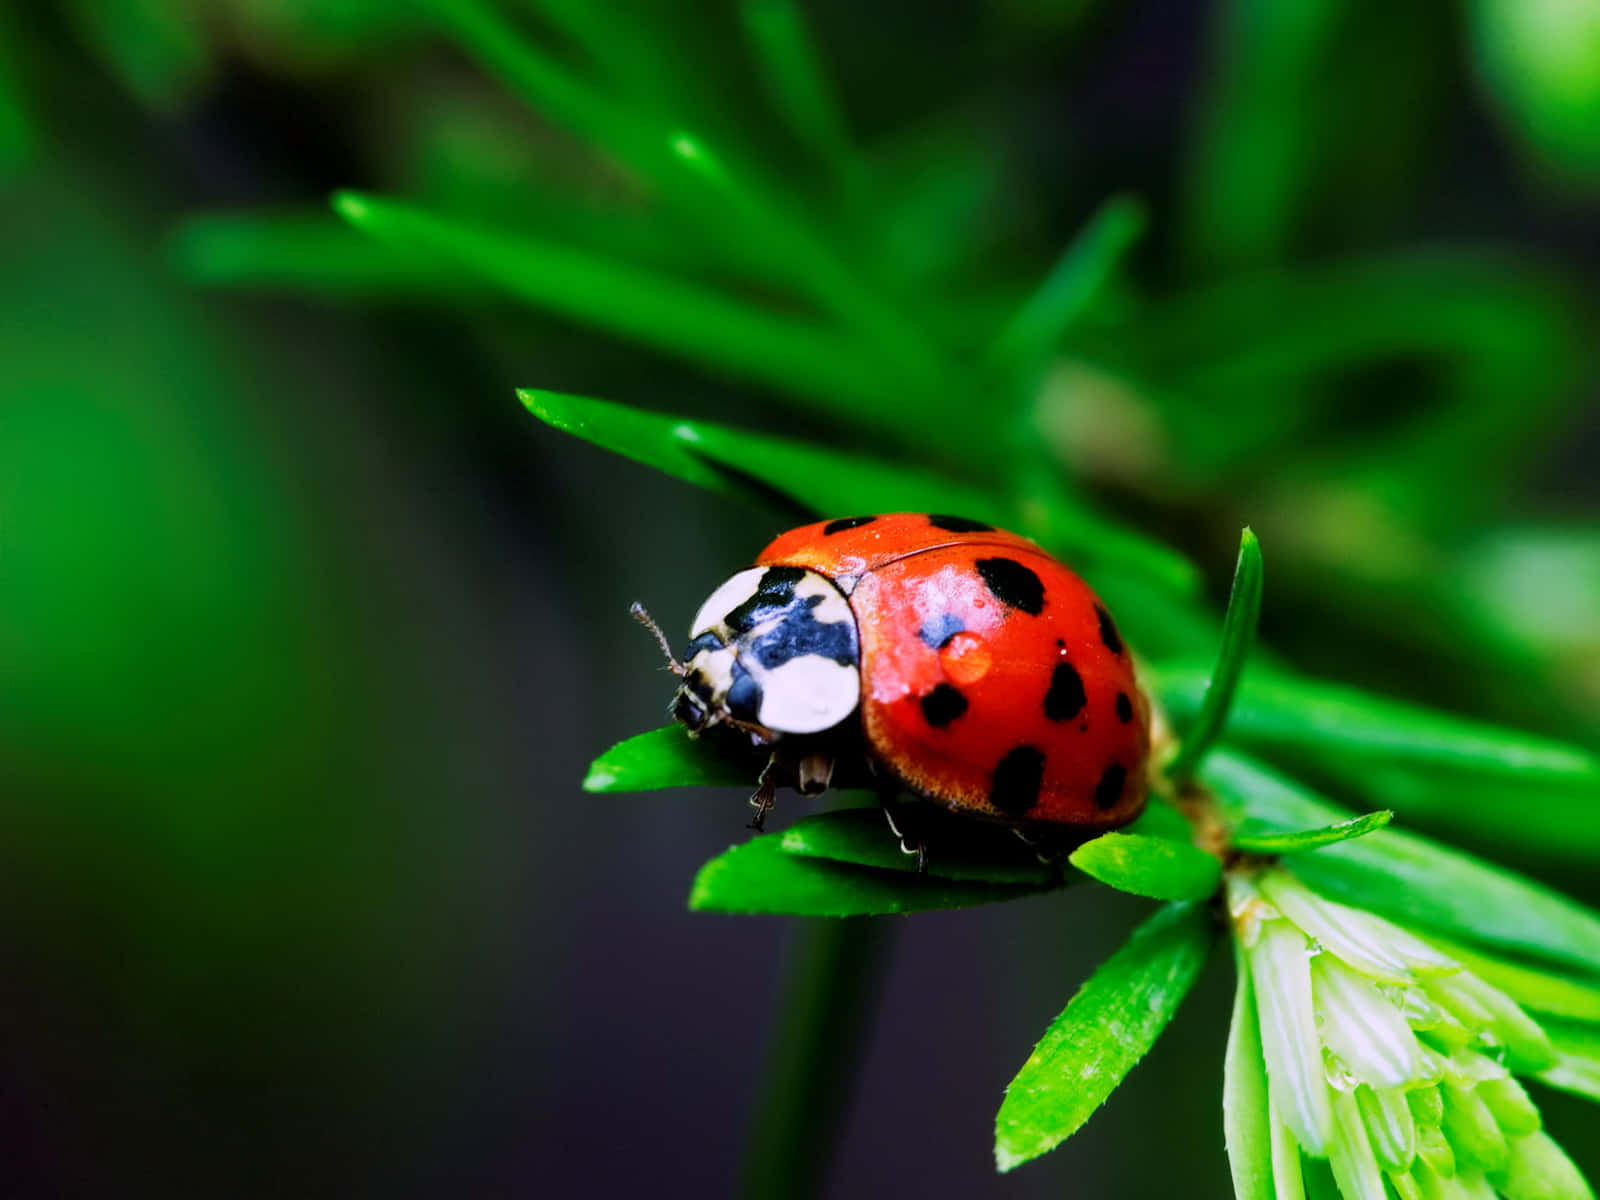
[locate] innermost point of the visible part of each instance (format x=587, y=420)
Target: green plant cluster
x=859, y=303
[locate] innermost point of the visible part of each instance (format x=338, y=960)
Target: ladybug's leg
x=1050, y=851
x=766, y=793
x=814, y=773
x=910, y=842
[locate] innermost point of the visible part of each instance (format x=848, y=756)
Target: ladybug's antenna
x=637, y=611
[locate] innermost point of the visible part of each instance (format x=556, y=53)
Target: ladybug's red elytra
x=962, y=662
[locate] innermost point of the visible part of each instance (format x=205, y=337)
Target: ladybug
x=951, y=659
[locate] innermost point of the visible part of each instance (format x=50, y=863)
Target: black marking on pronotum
x=943, y=705
x=843, y=523
x=706, y=641
x=799, y=633
x=1108, y=630
x=1124, y=708
x=744, y=695
x=958, y=524
x=1017, y=776
x=1109, y=790
x=1066, y=696
x=936, y=632
x=1013, y=584
x=773, y=594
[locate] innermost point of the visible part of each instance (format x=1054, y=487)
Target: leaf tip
x=352, y=206
x=601, y=778
x=1008, y=1153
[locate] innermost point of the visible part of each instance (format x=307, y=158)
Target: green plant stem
x=831, y=977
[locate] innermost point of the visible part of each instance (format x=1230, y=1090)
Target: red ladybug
x=962, y=662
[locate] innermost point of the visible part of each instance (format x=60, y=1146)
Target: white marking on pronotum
x=725, y=599
x=808, y=694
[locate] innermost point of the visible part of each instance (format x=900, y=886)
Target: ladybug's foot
x=765, y=798
x=910, y=843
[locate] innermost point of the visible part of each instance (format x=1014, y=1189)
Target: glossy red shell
x=993, y=680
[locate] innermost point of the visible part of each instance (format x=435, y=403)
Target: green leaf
x=1578, y=1067
x=958, y=847
x=1277, y=711
x=798, y=86
x=1161, y=820
x=1309, y=839
x=828, y=277
x=828, y=483
x=1077, y=278
x=667, y=758
x=1412, y=879
x=1534, y=989
x=793, y=355
x=17, y=132
x=157, y=50
x=1149, y=866
x=761, y=877
x=1246, y=1115
x=1103, y=1033
x=1238, y=635
x=753, y=467
x=306, y=251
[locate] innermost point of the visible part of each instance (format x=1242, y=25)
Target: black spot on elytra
x=958, y=524
x=1108, y=630
x=843, y=523
x=937, y=632
x=943, y=705
x=1124, y=708
x=1017, y=776
x=1013, y=584
x=773, y=594
x=1066, y=697
x=1109, y=790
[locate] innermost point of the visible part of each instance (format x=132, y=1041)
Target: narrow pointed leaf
x=1103, y=1033
x=592, y=113
x=754, y=467
x=1277, y=711
x=1536, y=990
x=792, y=355
x=1246, y=1116
x=1076, y=280
x=958, y=848
x=667, y=758
x=797, y=85
x=1309, y=839
x=761, y=877
x=308, y=252
x=1149, y=866
x=1238, y=636
x=1412, y=879
x=1577, y=1068
x=834, y=283
x=824, y=482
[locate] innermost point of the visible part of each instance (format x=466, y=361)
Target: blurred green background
x=307, y=630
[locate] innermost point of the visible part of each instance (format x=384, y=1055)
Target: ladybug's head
x=773, y=651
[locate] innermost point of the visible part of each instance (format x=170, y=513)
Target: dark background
x=308, y=633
